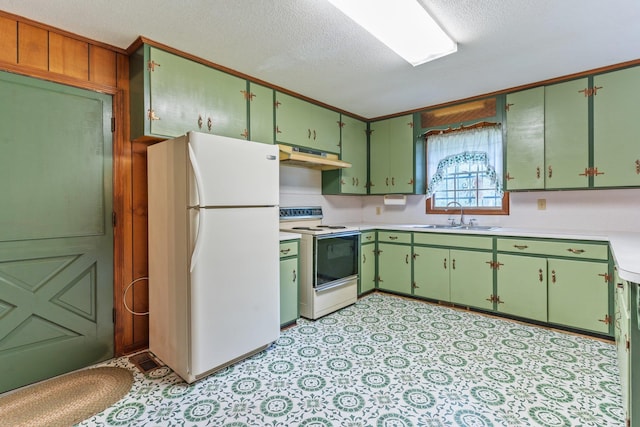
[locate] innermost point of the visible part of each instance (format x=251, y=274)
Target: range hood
x=308, y=158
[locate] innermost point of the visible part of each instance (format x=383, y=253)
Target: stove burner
x=302, y=228
x=333, y=227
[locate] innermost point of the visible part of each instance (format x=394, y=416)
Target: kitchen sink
x=457, y=227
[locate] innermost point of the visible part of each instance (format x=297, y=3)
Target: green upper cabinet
x=260, y=113
x=351, y=180
x=391, y=167
x=525, y=140
x=171, y=95
x=616, y=141
x=307, y=125
x=566, y=132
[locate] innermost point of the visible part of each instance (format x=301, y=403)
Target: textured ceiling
x=307, y=46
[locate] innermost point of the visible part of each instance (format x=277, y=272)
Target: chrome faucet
x=453, y=221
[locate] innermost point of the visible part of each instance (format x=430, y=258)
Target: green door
x=522, y=286
x=394, y=268
x=325, y=129
x=566, y=133
x=471, y=278
x=56, y=238
x=578, y=294
x=288, y=290
x=616, y=145
x=401, y=154
x=225, y=104
x=354, y=151
x=261, y=113
x=291, y=121
x=379, y=157
x=431, y=273
x=525, y=140
x=367, y=267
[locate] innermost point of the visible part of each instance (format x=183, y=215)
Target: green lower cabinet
x=579, y=294
x=471, y=278
x=394, y=268
x=522, y=286
x=431, y=273
x=367, y=268
x=622, y=316
x=289, y=277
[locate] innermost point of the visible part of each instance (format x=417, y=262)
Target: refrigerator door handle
x=197, y=246
x=196, y=173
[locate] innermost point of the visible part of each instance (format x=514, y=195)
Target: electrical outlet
x=542, y=204
x=378, y=209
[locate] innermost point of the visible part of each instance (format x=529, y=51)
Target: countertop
x=625, y=246
x=288, y=236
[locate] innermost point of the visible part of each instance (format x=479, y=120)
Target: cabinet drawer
x=368, y=237
x=453, y=240
x=288, y=248
x=394, y=237
x=556, y=248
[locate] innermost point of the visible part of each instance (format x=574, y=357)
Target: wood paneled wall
x=37, y=50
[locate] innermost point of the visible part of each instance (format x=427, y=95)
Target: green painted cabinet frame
x=289, y=281
x=368, y=252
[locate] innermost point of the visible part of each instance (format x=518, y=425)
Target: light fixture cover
x=403, y=25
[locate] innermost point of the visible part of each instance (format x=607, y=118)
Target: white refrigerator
x=213, y=251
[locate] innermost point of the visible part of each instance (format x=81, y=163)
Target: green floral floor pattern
x=389, y=361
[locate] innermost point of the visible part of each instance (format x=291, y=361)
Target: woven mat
x=66, y=400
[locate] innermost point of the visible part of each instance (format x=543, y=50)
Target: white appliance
x=329, y=261
x=213, y=251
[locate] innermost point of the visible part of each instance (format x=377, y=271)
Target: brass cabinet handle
x=393, y=237
x=550, y=172
x=538, y=172
x=364, y=258
x=386, y=180
x=369, y=237
x=308, y=133
x=357, y=182
x=199, y=121
x=540, y=275
x=453, y=264
x=393, y=180
x=209, y=123
x=553, y=276
x=445, y=264
x=285, y=251
x=314, y=134
x=521, y=247
x=294, y=276
x=638, y=167
x=406, y=259
x=576, y=251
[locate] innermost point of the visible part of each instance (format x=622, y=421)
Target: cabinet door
x=325, y=129
x=525, y=140
x=471, y=278
x=292, y=125
x=522, y=286
x=178, y=90
x=578, y=294
x=226, y=105
x=401, y=154
x=431, y=273
x=261, y=113
x=367, y=268
x=354, y=151
x=566, y=131
x=394, y=268
x=616, y=143
x=288, y=290
x=379, y=157
x=622, y=335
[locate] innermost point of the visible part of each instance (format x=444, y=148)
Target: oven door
x=337, y=259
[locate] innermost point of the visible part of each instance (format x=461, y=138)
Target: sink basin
x=456, y=227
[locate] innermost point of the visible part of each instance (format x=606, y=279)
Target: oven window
x=336, y=258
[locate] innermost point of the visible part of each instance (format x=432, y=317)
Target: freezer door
x=233, y=172
x=234, y=286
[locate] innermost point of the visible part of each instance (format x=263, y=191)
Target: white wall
x=598, y=210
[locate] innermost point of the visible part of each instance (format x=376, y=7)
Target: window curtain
x=483, y=146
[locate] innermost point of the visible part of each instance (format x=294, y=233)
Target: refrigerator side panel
x=235, y=286
x=234, y=172
x=168, y=253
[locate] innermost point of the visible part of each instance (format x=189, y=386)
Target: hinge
x=151, y=65
x=277, y=104
x=340, y=124
x=113, y=219
x=113, y=124
x=507, y=106
x=494, y=265
x=606, y=276
x=606, y=320
x=248, y=95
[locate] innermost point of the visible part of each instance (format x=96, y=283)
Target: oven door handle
x=335, y=284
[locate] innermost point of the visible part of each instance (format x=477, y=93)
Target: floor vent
x=144, y=361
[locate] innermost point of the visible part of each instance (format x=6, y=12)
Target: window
x=464, y=168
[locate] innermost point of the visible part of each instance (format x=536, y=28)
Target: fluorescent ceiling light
x=403, y=25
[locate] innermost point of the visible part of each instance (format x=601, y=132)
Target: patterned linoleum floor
x=389, y=361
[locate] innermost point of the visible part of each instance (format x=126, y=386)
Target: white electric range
x=329, y=261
